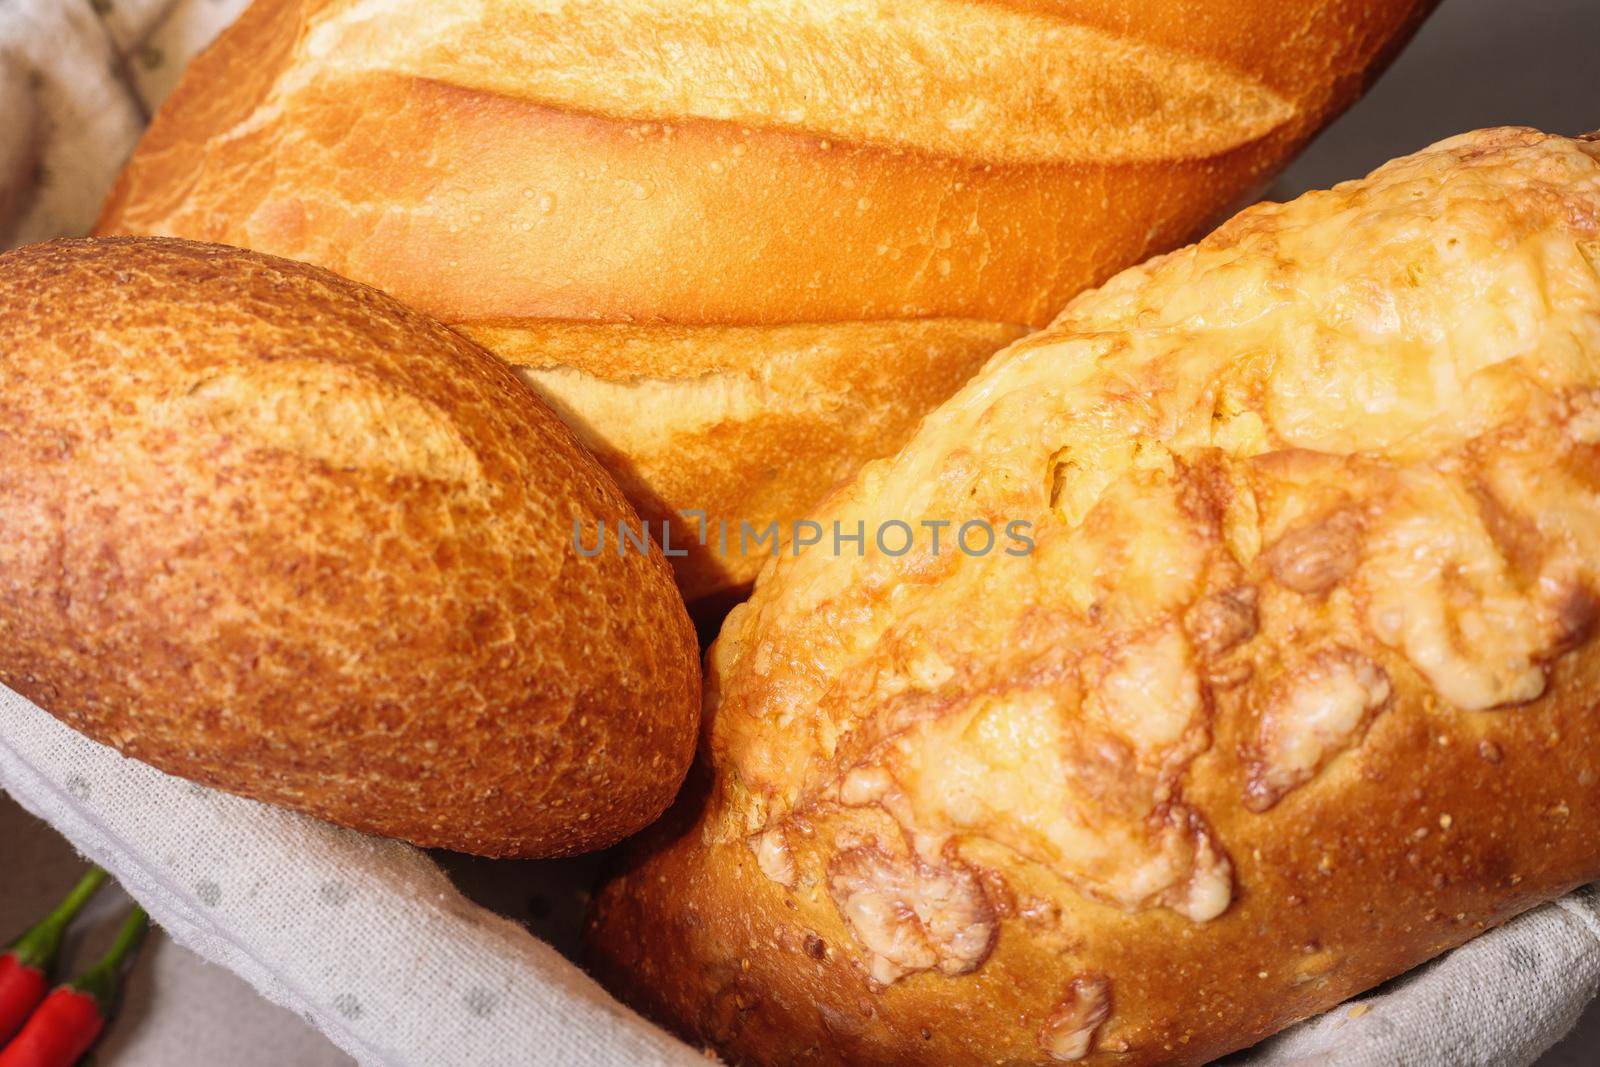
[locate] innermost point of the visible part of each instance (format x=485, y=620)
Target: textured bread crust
x=1295, y=690
x=829, y=212
x=269, y=530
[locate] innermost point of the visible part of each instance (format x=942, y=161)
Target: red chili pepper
x=26, y=964
x=72, y=1016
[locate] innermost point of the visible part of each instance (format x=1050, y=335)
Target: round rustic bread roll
x=269, y=530
x=1295, y=689
x=741, y=246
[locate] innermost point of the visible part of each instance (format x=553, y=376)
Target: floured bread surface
x=1294, y=690
x=267, y=529
x=830, y=212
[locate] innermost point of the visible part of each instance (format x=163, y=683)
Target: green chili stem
x=38, y=947
x=103, y=980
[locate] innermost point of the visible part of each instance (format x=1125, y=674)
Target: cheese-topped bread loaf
x=1295, y=689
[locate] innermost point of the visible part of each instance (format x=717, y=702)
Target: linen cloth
x=367, y=938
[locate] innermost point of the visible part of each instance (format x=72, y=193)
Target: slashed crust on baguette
x=924, y=181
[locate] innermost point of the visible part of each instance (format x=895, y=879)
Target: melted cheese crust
x=1340, y=453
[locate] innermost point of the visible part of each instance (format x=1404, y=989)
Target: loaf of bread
x=1295, y=689
x=269, y=530
x=741, y=245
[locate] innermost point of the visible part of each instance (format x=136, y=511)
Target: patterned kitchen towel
x=78, y=81
x=364, y=937
x=372, y=944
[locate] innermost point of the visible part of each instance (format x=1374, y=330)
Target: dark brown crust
x=269, y=530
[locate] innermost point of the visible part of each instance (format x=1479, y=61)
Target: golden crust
x=269, y=530
x=1294, y=692
x=736, y=164
x=762, y=389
